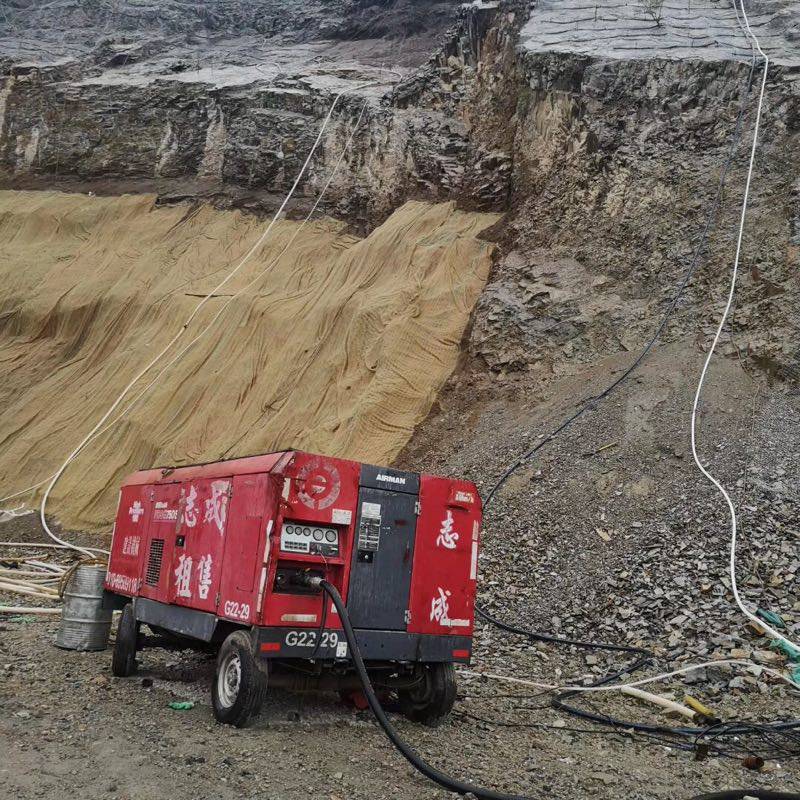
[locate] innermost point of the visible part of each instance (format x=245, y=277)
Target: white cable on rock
x=641, y=682
x=56, y=476
x=731, y=293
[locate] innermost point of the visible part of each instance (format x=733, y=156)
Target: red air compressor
x=231, y=555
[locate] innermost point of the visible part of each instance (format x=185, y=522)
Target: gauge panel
x=309, y=539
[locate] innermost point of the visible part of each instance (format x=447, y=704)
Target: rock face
x=676, y=29
x=617, y=162
x=196, y=113
x=605, y=149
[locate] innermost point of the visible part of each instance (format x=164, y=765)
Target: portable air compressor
x=230, y=555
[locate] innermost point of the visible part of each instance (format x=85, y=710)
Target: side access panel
x=446, y=558
x=246, y=547
x=160, y=540
x=129, y=545
x=198, y=543
x=383, y=551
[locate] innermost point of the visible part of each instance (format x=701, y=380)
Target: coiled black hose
x=740, y=794
x=408, y=752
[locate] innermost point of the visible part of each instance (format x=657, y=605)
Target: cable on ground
x=723, y=319
x=408, y=752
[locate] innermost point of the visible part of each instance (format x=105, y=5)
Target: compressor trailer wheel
x=431, y=699
x=240, y=682
x=123, y=661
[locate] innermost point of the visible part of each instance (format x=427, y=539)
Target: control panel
x=311, y=539
x=369, y=532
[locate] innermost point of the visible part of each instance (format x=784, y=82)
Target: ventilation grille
x=154, y=560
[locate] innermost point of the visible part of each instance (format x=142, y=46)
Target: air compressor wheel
x=237, y=693
x=123, y=660
x=431, y=698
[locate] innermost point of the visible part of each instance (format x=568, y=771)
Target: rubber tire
x=252, y=683
x=123, y=661
x=431, y=701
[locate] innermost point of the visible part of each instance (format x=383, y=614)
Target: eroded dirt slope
x=338, y=345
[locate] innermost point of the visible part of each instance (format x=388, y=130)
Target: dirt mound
x=341, y=347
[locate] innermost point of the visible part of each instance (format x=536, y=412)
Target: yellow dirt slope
x=340, y=348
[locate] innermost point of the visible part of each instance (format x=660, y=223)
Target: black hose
x=730, y=729
x=740, y=794
x=548, y=637
x=592, y=402
x=408, y=752
x=461, y=787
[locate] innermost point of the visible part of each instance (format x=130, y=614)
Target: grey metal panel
x=374, y=645
x=380, y=574
x=395, y=480
x=186, y=621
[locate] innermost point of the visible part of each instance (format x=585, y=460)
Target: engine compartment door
x=383, y=554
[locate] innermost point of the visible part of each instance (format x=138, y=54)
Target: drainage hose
x=444, y=780
x=408, y=752
x=741, y=794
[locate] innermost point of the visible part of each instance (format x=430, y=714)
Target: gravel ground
x=69, y=729
x=610, y=534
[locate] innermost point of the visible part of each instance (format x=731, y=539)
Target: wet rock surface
x=614, y=195
x=675, y=29
x=224, y=109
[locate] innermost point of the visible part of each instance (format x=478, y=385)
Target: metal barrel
x=85, y=624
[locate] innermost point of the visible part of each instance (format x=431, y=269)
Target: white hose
x=56, y=476
x=25, y=610
x=731, y=293
x=641, y=682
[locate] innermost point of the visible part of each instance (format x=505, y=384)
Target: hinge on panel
x=407, y=616
x=216, y=600
x=417, y=508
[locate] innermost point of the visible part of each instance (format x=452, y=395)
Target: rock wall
x=616, y=163
x=236, y=122
x=606, y=159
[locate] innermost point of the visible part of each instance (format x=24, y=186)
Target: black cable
x=652, y=738
x=732, y=729
x=686, y=278
x=592, y=402
x=740, y=794
x=547, y=637
x=408, y=752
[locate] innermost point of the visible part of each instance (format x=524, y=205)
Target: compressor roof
x=236, y=466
